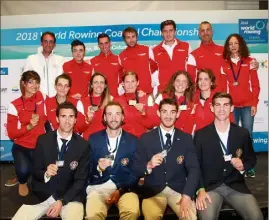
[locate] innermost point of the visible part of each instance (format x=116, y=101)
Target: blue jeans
x=244, y=114
x=244, y=204
x=23, y=159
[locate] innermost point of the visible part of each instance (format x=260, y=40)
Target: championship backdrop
x=20, y=37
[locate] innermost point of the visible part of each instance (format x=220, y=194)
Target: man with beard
x=60, y=164
x=79, y=71
x=166, y=158
x=110, y=176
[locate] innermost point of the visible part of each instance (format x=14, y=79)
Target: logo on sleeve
x=180, y=159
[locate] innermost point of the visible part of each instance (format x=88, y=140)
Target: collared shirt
x=169, y=49
x=164, y=132
x=224, y=137
x=60, y=143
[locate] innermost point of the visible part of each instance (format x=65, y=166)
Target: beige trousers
x=71, y=211
x=154, y=207
x=96, y=208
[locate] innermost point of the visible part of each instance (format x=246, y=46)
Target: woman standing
x=25, y=122
x=243, y=82
x=135, y=105
x=92, y=106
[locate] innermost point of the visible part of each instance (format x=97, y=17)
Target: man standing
x=60, y=171
x=110, y=178
x=79, y=71
x=166, y=158
x=108, y=64
x=171, y=54
x=47, y=64
x=138, y=58
x=224, y=152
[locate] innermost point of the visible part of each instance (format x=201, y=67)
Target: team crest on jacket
x=239, y=153
x=124, y=161
x=73, y=165
x=180, y=159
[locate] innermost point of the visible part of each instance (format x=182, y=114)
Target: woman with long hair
x=180, y=87
x=243, y=81
x=135, y=105
x=25, y=122
x=93, y=105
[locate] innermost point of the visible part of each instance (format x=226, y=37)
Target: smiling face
x=66, y=120
x=30, y=87
x=48, y=44
x=168, y=115
x=130, y=39
x=181, y=84
x=234, y=45
x=113, y=117
x=78, y=53
x=105, y=45
x=206, y=33
x=204, y=82
x=222, y=109
x=169, y=33
x=130, y=84
x=62, y=87
x=98, y=85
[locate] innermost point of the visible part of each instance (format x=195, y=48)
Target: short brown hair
x=168, y=22
x=129, y=73
x=64, y=76
x=218, y=95
x=66, y=105
x=211, y=75
x=26, y=77
x=168, y=102
x=129, y=30
x=112, y=103
x=243, y=49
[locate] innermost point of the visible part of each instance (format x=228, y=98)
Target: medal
x=60, y=163
x=235, y=83
x=132, y=102
x=236, y=76
x=164, y=153
x=110, y=157
x=94, y=108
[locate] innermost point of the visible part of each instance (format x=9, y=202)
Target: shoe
x=250, y=173
x=23, y=189
x=12, y=182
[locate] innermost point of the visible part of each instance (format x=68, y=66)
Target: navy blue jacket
x=120, y=173
x=180, y=171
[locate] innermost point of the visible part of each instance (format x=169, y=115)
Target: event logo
x=3, y=109
x=254, y=31
x=4, y=71
x=3, y=90
x=15, y=89
x=266, y=103
x=264, y=64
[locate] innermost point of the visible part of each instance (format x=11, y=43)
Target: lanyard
x=238, y=72
x=136, y=97
x=226, y=150
x=162, y=141
x=58, y=102
x=23, y=106
x=108, y=144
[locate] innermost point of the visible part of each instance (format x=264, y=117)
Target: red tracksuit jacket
x=134, y=122
x=111, y=68
x=168, y=67
x=19, y=115
x=208, y=56
x=248, y=89
x=137, y=59
x=80, y=74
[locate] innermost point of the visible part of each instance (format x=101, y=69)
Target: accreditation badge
x=183, y=107
x=239, y=153
x=132, y=102
x=60, y=163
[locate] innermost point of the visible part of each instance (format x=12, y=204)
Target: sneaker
x=12, y=182
x=23, y=189
x=250, y=173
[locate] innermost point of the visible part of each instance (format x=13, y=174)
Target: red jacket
x=185, y=121
x=168, y=67
x=137, y=59
x=51, y=106
x=19, y=115
x=96, y=124
x=208, y=56
x=134, y=122
x=111, y=68
x=203, y=115
x=248, y=89
x=80, y=74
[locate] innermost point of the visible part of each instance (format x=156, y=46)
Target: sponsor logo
x=266, y=103
x=15, y=89
x=264, y=64
x=4, y=71
x=3, y=90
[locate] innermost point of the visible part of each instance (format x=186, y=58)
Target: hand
x=52, y=170
x=34, y=121
x=113, y=198
x=237, y=164
x=90, y=113
x=253, y=110
x=141, y=93
x=140, y=107
x=55, y=209
x=155, y=161
x=103, y=163
x=201, y=200
x=185, y=207
x=255, y=64
x=76, y=96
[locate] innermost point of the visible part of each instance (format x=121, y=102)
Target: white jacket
x=48, y=69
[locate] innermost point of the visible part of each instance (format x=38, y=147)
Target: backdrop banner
x=20, y=37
